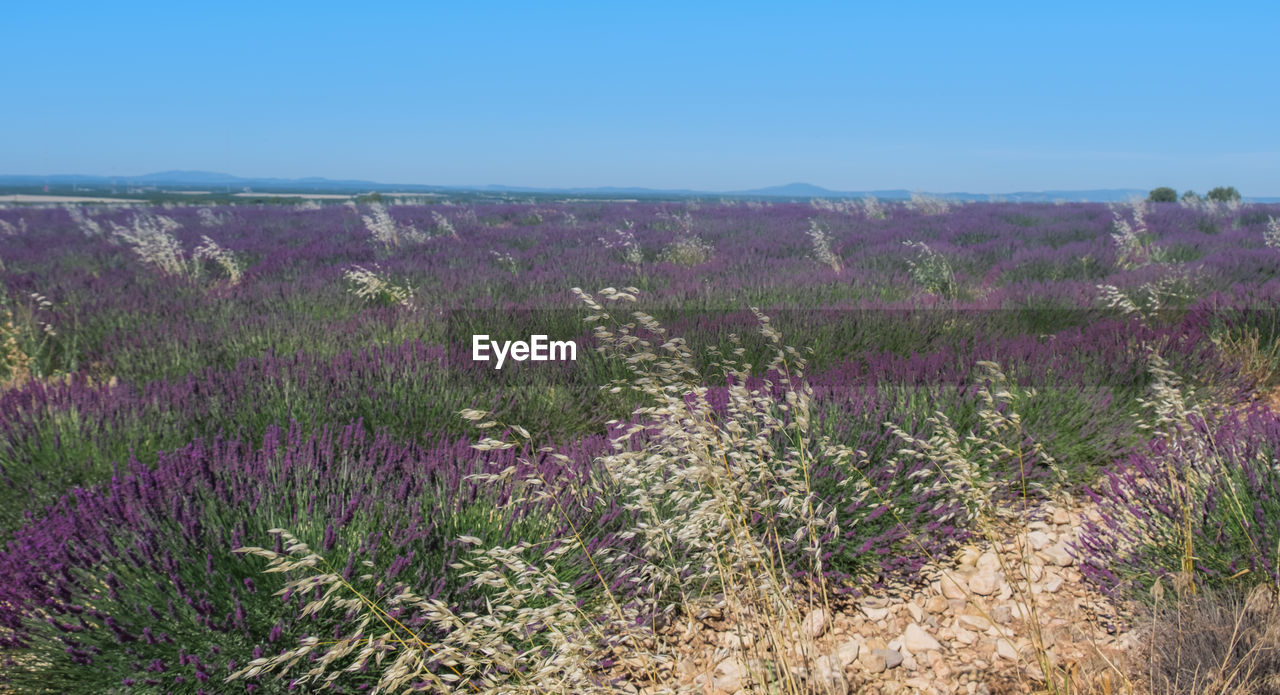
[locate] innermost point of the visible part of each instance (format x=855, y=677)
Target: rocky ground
x=968, y=627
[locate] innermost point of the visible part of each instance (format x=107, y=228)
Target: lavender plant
x=1196, y=505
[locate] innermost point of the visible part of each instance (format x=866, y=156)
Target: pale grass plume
x=1150, y=298
x=872, y=209
x=151, y=238
x=85, y=222
x=928, y=204
x=837, y=206
x=1271, y=235
x=386, y=231
x=27, y=334
x=531, y=636
x=442, y=225
x=821, y=242
x=694, y=476
x=969, y=467
x=688, y=249
x=1131, y=247
x=224, y=259
x=931, y=270
x=208, y=218
x=374, y=286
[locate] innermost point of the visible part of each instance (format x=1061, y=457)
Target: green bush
x=1223, y=194
x=1163, y=194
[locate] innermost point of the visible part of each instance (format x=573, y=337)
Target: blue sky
x=980, y=97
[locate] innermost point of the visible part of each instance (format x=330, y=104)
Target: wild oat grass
x=224, y=259
x=821, y=241
x=30, y=346
x=386, y=231
x=151, y=238
x=725, y=518
x=1271, y=235
x=87, y=224
x=374, y=286
x=927, y=204
x=931, y=271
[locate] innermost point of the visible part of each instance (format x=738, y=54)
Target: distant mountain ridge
x=795, y=191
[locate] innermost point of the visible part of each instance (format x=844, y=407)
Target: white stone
x=815, y=623
x=917, y=641
x=953, y=586
x=1038, y=540
x=1058, y=555
x=875, y=614
x=728, y=676
x=847, y=653
x=974, y=622
x=984, y=582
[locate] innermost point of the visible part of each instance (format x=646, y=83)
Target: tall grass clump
x=533, y=634
x=373, y=286
x=1148, y=300
x=221, y=257
x=87, y=224
x=30, y=345
x=688, y=249
x=442, y=226
x=724, y=519
x=1271, y=235
x=1001, y=474
x=1132, y=240
x=386, y=231
x=927, y=204
x=872, y=209
x=931, y=270
x=151, y=238
x=1226, y=642
x=821, y=242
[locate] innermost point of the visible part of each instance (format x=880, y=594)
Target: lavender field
x=180, y=382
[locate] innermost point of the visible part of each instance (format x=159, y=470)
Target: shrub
x=1223, y=194
x=1197, y=505
x=1223, y=643
x=151, y=238
x=1163, y=194
x=224, y=259
x=688, y=250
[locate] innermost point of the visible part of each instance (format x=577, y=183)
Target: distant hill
x=793, y=191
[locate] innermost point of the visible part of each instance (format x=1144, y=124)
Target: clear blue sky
x=935, y=96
